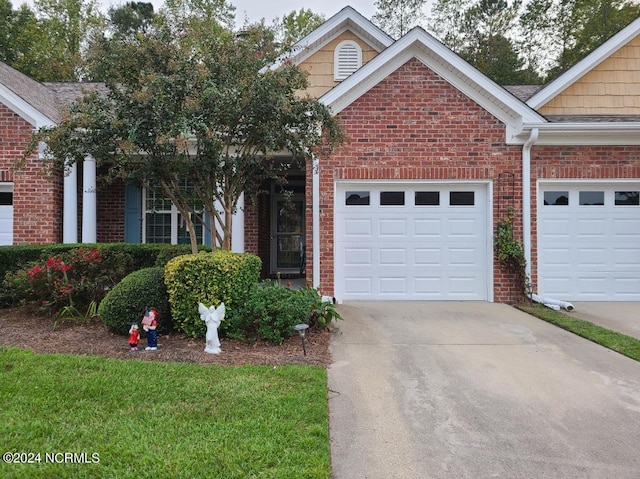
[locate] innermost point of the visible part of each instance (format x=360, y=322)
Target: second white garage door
x=589, y=241
x=418, y=241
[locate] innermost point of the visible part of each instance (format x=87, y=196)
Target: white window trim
x=174, y=220
x=338, y=73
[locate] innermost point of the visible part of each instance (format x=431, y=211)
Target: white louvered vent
x=347, y=59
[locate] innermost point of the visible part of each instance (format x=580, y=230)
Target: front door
x=287, y=233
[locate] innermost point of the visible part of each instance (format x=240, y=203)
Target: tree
x=482, y=33
x=131, y=18
x=204, y=109
x=66, y=24
x=558, y=33
x=397, y=17
x=296, y=25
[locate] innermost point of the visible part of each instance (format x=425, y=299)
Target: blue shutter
x=132, y=214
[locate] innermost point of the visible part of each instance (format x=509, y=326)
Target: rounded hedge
x=127, y=301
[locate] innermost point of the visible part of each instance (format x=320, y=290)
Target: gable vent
x=347, y=59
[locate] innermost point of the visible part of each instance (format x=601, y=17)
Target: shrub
x=116, y=261
x=128, y=300
x=209, y=278
x=70, y=282
x=271, y=312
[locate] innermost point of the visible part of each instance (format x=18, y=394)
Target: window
x=427, y=198
x=461, y=198
x=556, y=198
x=392, y=198
x=627, y=198
x=163, y=223
x=6, y=198
x=347, y=58
x=357, y=198
x=591, y=198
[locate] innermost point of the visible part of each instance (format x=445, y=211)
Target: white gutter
x=315, y=202
x=526, y=198
x=526, y=221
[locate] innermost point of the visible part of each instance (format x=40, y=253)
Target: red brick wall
x=37, y=199
x=110, y=199
x=578, y=162
x=414, y=125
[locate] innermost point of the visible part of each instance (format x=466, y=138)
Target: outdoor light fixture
x=302, y=331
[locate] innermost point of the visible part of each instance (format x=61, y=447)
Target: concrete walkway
x=477, y=390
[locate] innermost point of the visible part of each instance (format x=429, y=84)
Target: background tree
x=482, y=32
x=397, y=17
x=206, y=110
x=296, y=25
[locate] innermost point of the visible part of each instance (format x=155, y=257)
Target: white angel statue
x=212, y=317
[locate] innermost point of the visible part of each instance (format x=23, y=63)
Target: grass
x=618, y=342
x=161, y=420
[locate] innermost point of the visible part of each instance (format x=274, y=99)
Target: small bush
x=271, y=312
x=128, y=300
x=209, y=278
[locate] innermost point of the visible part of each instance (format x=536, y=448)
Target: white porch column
x=70, y=205
x=237, y=227
x=89, y=201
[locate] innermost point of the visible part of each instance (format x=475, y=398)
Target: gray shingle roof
x=523, y=92
x=34, y=93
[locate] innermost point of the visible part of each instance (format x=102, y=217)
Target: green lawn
x=142, y=419
x=618, y=342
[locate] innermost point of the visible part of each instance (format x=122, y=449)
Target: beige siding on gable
x=612, y=88
x=320, y=64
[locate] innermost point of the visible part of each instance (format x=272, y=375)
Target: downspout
x=315, y=201
x=526, y=222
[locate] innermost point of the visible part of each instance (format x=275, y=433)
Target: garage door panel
x=413, y=250
x=393, y=256
x=358, y=256
x=358, y=228
x=427, y=256
x=427, y=228
x=627, y=227
x=428, y=286
x=392, y=285
x=589, y=253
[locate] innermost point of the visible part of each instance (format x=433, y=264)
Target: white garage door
x=411, y=241
x=589, y=241
x=6, y=213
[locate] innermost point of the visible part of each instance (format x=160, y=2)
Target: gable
x=450, y=67
x=610, y=88
x=321, y=66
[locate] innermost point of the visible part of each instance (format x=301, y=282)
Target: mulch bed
x=23, y=329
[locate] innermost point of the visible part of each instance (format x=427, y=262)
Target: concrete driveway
x=476, y=390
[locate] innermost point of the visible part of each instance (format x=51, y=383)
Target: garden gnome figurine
x=212, y=317
x=149, y=324
x=134, y=337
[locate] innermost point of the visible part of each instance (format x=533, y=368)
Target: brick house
x=436, y=155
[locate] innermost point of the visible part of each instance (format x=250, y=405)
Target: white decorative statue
x=212, y=317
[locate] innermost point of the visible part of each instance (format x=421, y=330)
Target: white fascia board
x=24, y=109
x=573, y=134
x=419, y=44
x=585, y=65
